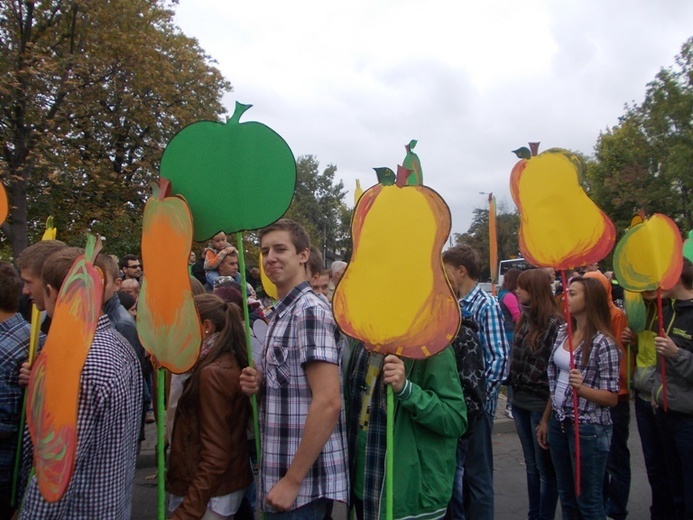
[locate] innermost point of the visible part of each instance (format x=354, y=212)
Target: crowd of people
x=321, y=395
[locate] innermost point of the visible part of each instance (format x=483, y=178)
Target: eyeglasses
x=133, y=266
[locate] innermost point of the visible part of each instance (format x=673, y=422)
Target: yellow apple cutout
x=649, y=256
x=560, y=226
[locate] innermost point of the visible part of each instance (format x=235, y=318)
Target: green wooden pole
x=249, y=347
x=161, y=434
x=389, y=454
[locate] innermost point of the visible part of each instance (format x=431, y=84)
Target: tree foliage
x=318, y=204
x=90, y=93
x=507, y=229
x=646, y=161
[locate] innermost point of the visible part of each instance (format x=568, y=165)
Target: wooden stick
x=662, y=359
x=389, y=455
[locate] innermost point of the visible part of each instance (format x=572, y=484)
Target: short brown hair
x=10, y=288
x=464, y=255
x=315, y=262
x=57, y=265
x=34, y=256
x=107, y=265
x=299, y=237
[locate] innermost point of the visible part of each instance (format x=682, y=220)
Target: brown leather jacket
x=209, y=447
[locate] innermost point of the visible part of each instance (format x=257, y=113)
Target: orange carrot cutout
x=53, y=391
x=168, y=324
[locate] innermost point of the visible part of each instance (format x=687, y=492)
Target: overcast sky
x=352, y=82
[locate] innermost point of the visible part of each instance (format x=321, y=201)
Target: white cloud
x=352, y=83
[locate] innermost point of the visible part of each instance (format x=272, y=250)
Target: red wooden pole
x=662, y=359
x=576, y=424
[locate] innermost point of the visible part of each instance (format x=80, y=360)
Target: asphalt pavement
x=509, y=475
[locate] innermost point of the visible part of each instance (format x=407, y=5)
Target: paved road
x=510, y=482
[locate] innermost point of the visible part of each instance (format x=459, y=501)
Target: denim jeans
x=542, y=489
x=472, y=492
x=655, y=463
x=595, y=442
x=676, y=430
x=617, y=478
x=315, y=510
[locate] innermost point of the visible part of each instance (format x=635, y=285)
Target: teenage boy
x=475, y=453
x=304, y=459
x=108, y=419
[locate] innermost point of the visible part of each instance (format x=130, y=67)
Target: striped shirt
x=108, y=426
x=486, y=311
x=301, y=331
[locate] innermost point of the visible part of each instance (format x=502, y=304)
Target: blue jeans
x=542, y=489
x=655, y=463
x=676, y=430
x=315, y=510
x=617, y=478
x=474, y=474
x=595, y=443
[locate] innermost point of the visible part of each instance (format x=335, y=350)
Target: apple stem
x=238, y=112
x=534, y=147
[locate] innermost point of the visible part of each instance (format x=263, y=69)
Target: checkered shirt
x=108, y=427
x=301, y=330
x=601, y=372
x=486, y=311
x=14, y=350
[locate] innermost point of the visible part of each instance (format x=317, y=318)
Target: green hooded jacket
x=430, y=416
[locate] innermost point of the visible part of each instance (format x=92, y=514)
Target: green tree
x=507, y=232
x=90, y=93
x=318, y=204
x=646, y=161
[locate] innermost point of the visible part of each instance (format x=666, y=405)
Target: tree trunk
x=18, y=225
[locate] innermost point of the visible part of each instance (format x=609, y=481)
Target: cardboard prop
x=560, y=226
x=492, y=242
x=168, y=323
x=4, y=204
x=235, y=177
x=49, y=234
x=688, y=246
x=53, y=390
x=267, y=285
x=422, y=315
x=648, y=258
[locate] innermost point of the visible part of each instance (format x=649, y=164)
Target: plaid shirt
x=601, y=372
x=108, y=426
x=301, y=330
x=14, y=350
x=529, y=362
x=486, y=311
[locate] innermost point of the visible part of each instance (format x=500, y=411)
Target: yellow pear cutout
x=560, y=226
x=394, y=295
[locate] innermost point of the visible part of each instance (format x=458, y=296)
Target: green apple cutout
x=235, y=176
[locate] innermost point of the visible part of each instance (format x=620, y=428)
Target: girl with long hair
x=209, y=468
x=536, y=332
x=510, y=307
x=595, y=382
